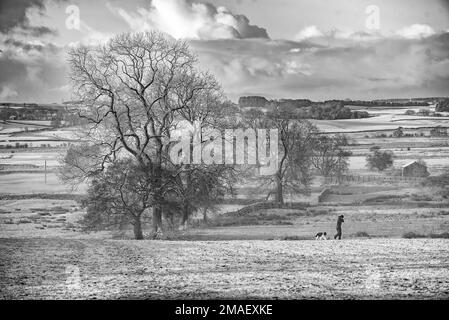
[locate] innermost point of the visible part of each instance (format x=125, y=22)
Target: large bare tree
x=132, y=91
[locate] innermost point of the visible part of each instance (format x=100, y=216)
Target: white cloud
x=7, y=93
x=309, y=32
x=187, y=19
x=315, y=33
x=416, y=31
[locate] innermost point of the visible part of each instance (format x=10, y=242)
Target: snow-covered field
x=44, y=254
x=99, y=269
x=383, y=118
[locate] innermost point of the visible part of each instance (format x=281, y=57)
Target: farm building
x=438, y=131
x=414, y=169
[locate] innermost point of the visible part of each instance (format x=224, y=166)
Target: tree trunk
x=186, y=207
x=157, y=218
x=138, y=235
x=205, y=214
x=157, y=209
x=279, y=192
x=185, y=215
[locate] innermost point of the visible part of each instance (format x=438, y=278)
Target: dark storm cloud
x=445, y=4
x=32, y=71
x=26, y=46
x=12, y=70
x=13, y=14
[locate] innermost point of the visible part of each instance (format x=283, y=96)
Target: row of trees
x=30, y=112
x=133, y=94
x=305, y=109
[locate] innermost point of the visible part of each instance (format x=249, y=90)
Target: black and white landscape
x=241, y=149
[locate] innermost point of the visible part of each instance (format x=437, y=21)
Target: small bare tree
x=120, y=193
x=296, y=139
x=329, y=157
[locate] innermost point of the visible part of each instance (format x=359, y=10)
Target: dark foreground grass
x=415, y=235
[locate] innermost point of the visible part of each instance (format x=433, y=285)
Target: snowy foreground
x=118, y=269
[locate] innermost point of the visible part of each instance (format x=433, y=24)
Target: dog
x=321, y=236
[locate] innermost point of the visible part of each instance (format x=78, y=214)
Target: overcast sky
x=316, y=49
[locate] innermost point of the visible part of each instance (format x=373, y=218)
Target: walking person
x=340, y=220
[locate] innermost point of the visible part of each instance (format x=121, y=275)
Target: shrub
x=379, y=160
x=421, y=197
x=399, y=132
x=412, y=235
x=442, y=106
x=444, y=235
x=440, y=182
x=21, y=221
x=424, y=112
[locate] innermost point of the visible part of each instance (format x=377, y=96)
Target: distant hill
x=252, y=102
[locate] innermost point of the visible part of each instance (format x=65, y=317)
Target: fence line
x=371, y=178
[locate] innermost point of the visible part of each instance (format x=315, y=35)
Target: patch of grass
x=22, y=221
x=414, y=235
x=318, y=212
x=361, y=234
x=383, y=198
x=295, y=238
x=297, y=213
x=444, y=235
x=59, y=210
x=248, y=220
x=262, y=217
x=421, y=197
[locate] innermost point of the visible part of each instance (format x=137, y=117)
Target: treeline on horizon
x=59, y=117
x=333, y=109
x=295, y=108
x=254, y=101
x=304, y=108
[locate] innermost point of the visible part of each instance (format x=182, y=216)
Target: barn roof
x=410, y=163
